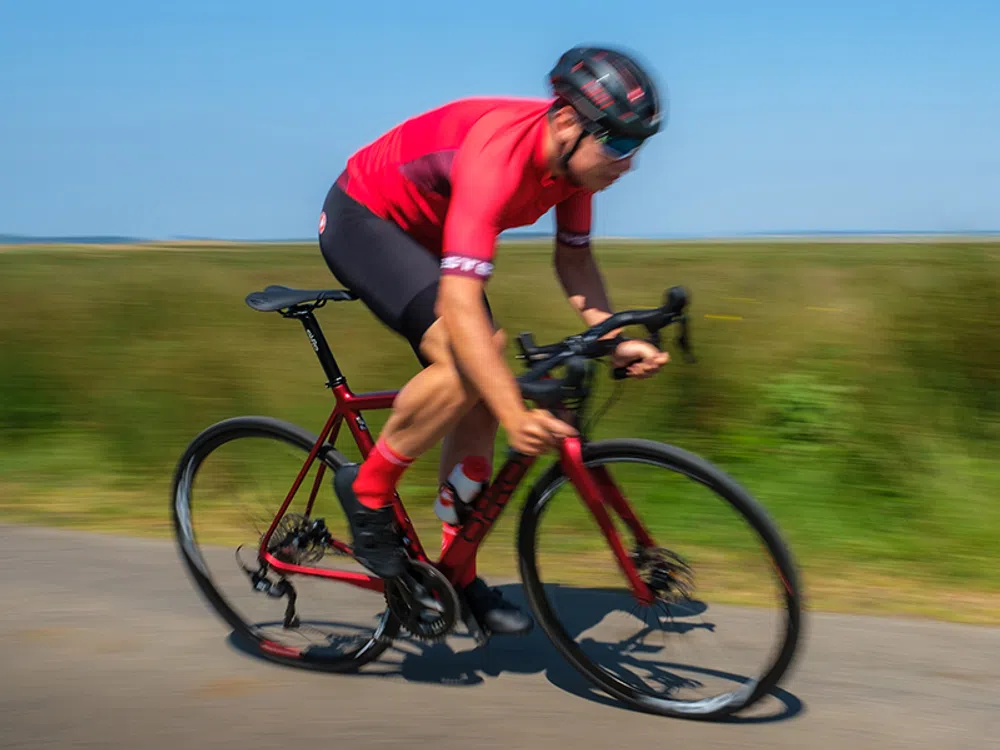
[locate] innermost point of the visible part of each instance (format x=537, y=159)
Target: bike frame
x=595, y=486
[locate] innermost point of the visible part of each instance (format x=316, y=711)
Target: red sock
x=448, y=532
x=378, y=475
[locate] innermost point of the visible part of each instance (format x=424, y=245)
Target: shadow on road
x=459, y=663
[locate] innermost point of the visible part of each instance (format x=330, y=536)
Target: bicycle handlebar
x=574, y=350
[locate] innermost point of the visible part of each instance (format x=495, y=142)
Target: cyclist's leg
x=429, y=406
x=397, y=279
x=473, y=433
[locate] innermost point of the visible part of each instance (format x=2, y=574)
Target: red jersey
x=453, y=178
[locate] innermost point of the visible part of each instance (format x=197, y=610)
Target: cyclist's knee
x=454, y=394
x=500, y=340
x=458, y=394
x=436, y=347
x=434, y=344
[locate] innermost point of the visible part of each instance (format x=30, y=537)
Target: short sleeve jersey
x=457, y=176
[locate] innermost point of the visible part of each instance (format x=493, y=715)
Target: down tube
x=590, y=493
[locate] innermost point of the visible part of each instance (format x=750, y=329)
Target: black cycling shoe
x=494, y=612
x=377, y=541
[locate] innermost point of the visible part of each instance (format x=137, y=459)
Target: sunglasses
x=617, y=147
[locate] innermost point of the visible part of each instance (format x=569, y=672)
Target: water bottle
x=466, y=481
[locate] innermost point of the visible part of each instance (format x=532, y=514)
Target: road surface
x=104, y=643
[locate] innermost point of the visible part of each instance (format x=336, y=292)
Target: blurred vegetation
x=853, y=388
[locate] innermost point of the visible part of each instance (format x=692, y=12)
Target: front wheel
x=721, y=574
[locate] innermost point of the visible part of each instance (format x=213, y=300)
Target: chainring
x=422, y=581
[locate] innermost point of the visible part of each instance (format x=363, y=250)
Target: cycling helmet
x=616, y=99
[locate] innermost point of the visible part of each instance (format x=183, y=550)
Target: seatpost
x=333, y=374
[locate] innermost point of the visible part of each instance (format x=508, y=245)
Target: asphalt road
x=104, y=643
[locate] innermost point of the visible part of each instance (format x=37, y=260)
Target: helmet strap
x=564, y=159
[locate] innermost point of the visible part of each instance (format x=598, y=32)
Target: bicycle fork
x=599, y=493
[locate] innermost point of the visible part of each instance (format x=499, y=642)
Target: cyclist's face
x=597, y=163
x=597, y=168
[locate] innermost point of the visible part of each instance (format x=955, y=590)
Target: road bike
x=653, y=580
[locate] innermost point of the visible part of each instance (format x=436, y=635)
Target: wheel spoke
x=230, y=482
x=709, y=529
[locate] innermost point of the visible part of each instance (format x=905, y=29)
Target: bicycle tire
x=197, y=451
x=724, y=486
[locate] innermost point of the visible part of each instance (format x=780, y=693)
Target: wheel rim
x=745, y=686
x=332, y=631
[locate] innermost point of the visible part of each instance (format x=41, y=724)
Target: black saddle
x=281, y=297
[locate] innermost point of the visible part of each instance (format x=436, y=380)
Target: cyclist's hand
x=536, y=431
x=643, y=359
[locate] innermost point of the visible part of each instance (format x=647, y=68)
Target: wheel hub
x=299, y=540
x=666, y=573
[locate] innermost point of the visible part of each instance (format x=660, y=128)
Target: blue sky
x=223, y=119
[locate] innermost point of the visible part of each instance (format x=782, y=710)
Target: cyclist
x=411, y=225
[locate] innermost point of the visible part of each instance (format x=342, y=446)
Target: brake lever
x=684, y=339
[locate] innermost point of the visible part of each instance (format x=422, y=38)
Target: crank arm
x=416, y=596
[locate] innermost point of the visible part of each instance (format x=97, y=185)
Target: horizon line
x=18, y=239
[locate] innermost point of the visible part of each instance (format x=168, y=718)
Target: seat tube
x=334, y=376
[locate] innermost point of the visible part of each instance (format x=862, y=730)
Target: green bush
x=804, y=411
x=854, y=388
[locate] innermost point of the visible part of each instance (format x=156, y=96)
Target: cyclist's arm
x=575, y=264
x=470, y=232
x=460, y=305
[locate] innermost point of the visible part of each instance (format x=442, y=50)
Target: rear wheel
x=229, y=485
x=710, y=541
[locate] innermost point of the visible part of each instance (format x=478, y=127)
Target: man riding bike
x=410, y=226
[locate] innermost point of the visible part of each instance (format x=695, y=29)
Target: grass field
x=853, y=387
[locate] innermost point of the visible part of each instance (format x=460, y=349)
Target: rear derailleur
x=260, y=583
x=298, y=540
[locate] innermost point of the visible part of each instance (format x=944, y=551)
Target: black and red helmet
x=610, y=90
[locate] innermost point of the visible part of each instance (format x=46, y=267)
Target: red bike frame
x=595, y=487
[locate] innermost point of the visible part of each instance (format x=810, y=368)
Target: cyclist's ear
x=564, y=121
